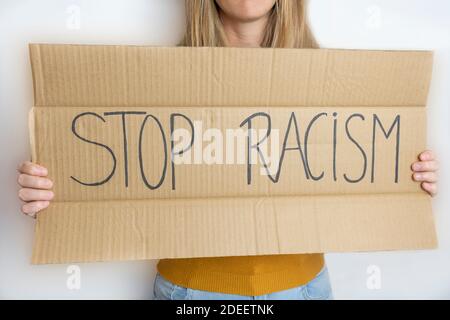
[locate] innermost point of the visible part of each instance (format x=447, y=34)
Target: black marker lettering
x=293, y=120
x=94, y=143
x=172, y=128
x=141, y=162
x=256, y=146
x=123, y=114
x=358, y=146
x=334, y=144
x=396, y=123
x=306, y=146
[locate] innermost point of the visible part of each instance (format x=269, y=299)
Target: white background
x=382, y=24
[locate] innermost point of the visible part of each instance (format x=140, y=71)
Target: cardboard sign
x=193, y=152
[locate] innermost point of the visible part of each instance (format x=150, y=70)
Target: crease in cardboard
x=260, y=197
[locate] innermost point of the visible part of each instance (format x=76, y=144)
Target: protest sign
x=191, y=152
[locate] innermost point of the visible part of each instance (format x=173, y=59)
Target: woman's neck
x=244, y=33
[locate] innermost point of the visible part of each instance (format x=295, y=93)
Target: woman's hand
x=425, y=172
x=35, y=188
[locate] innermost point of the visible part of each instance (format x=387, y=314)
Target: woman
x=237, y=23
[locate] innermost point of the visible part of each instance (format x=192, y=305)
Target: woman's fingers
x=425, y=171
x=35, y=182
x=32, y=169
x=431, y=188
x=432, y=165
x=35, y=188
x=427, y=155
x=31, y=208
x=28, y=194
x=428, y=176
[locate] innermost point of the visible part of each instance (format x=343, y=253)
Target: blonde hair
x=286, y=28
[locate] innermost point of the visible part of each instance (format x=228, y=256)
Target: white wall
x=393, y=24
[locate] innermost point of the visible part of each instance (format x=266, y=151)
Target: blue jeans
x=318, y=288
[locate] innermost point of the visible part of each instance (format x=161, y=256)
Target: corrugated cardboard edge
x=31, y=119
x=33, y=154
x=36, y=67
x=430, y=77
x=32, y=134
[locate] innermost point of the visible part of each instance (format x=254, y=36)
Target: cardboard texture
x=350, y=123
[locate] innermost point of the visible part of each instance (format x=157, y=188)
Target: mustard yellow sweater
x=249, y=275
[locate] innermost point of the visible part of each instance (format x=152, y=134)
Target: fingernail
x=42, y=170
x=37, y=170
x=417, y=166
x=49, y=183
x=424, y=156
x=417, y=176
